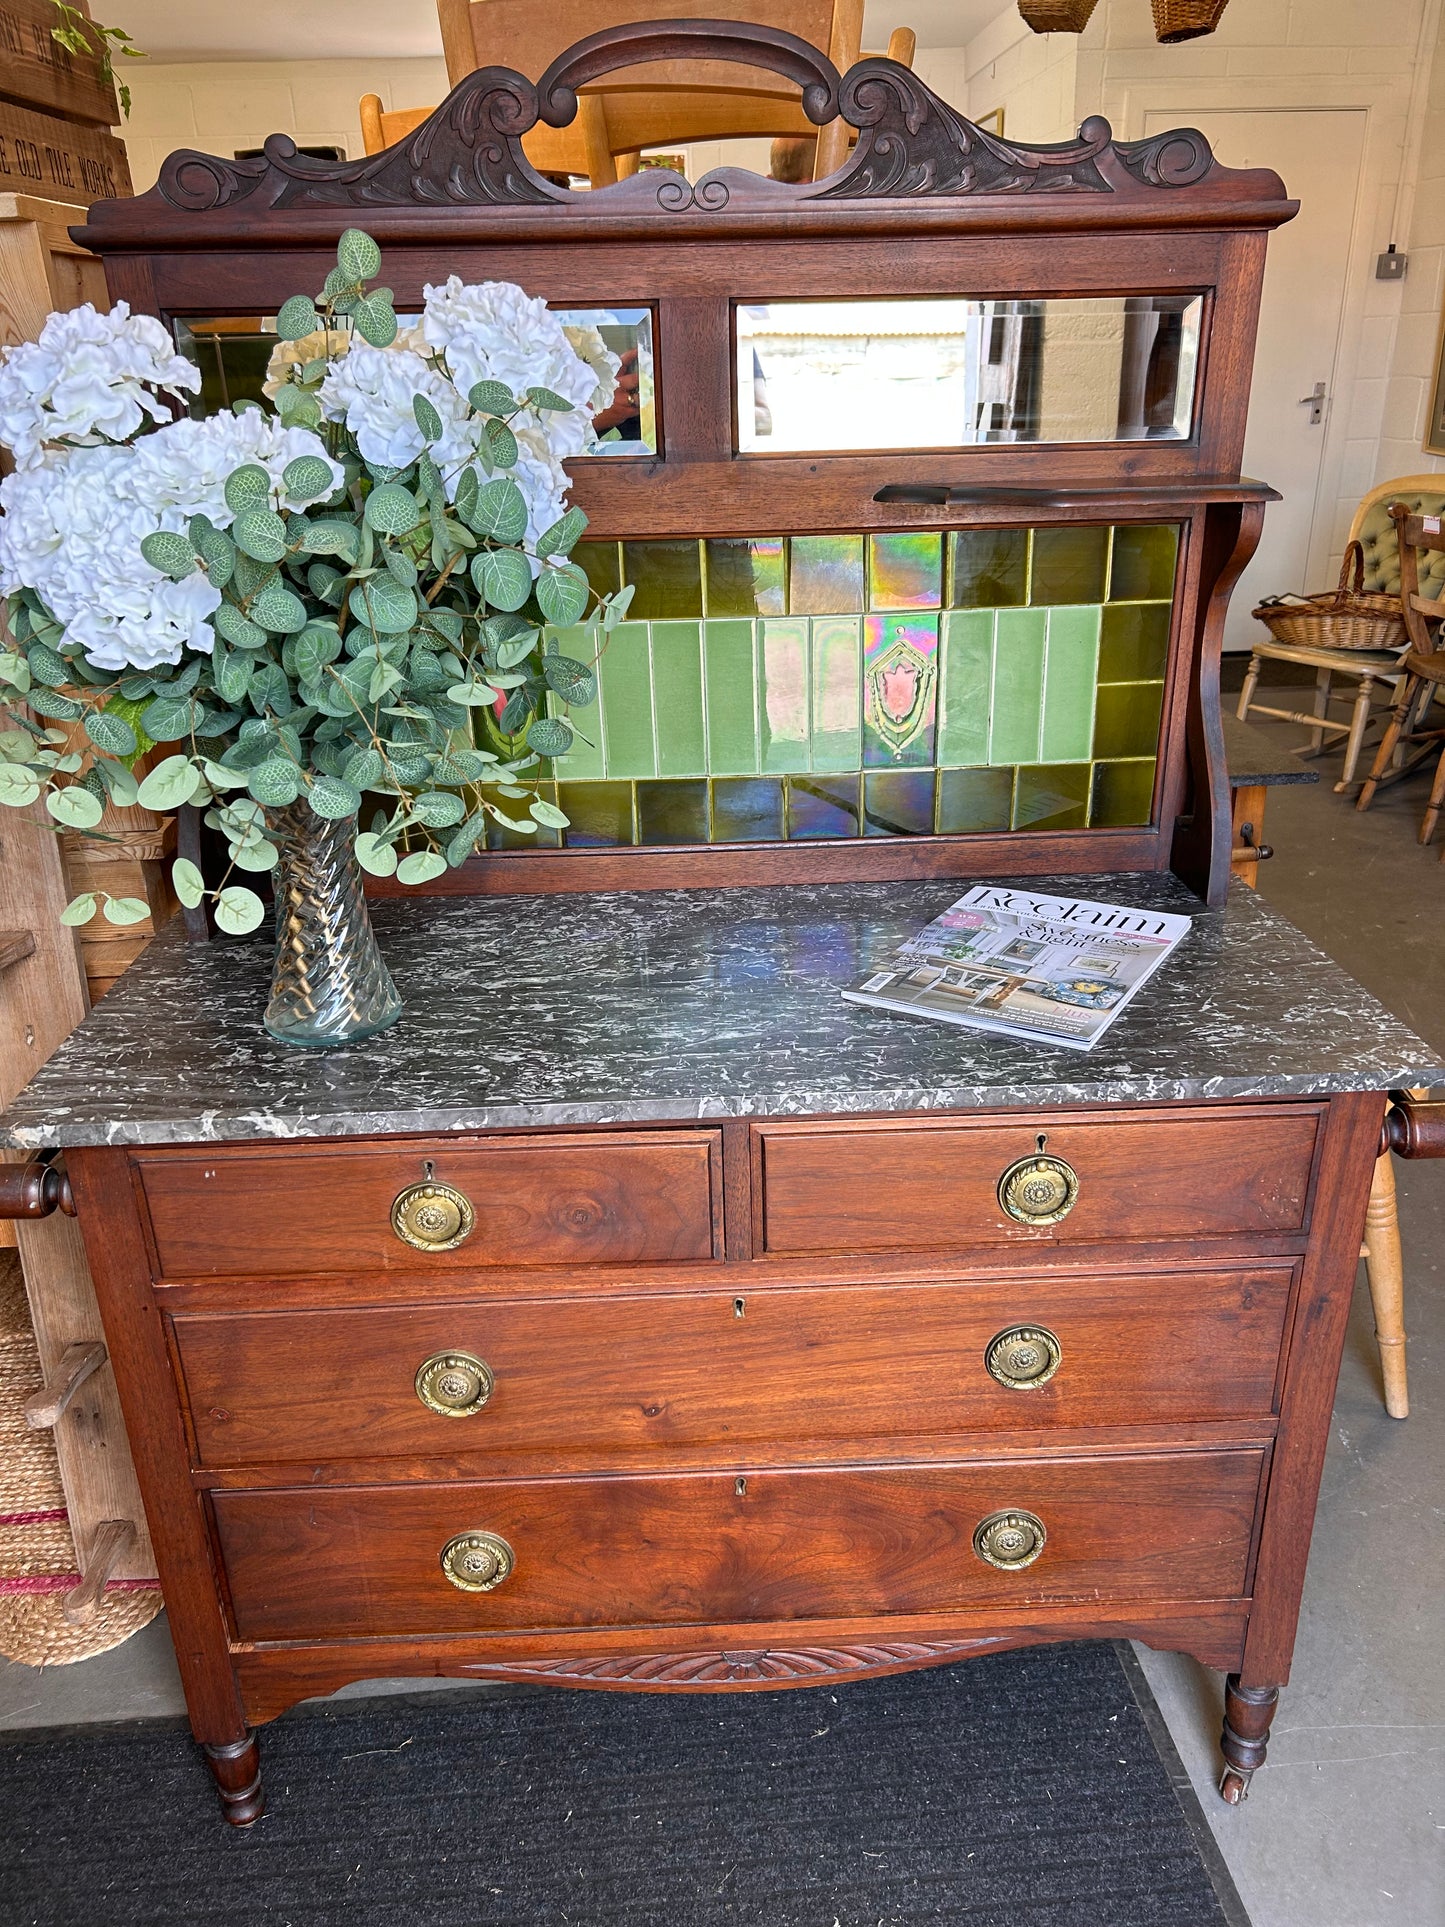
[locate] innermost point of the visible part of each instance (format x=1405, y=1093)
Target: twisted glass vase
x=329, y=985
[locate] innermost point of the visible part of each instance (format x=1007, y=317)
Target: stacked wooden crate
x=56, y=113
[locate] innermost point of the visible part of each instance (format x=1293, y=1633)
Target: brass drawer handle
x=432, y=1216
x=1009, y=1540
x=1039, y=1189
x=477, y=1561
x=1023, y=1357
x=455, y=1384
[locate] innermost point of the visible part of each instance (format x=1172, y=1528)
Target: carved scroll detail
x=1176, y=159
x=769, y=1665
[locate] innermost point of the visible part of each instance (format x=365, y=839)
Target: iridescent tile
x=746, y=578
x=898, y=802
x=625, y=673
x=1144, y=562
x=499, y=837
x=677, y=698
x=905, y=571
x=1071, y=659
x=825, y=575
x=1053, y=796
x=783, y=694
x=1126, y=719
x=601, y=814
x=1018, y=685
x=823, y=806
x=732, y=717
x=601, y=563
x=1123, y=795
x=672, y=812
x=747, y=810
x=971, y=801
x=988, y=568
x=837, y=721
x=1068, y=565
x=1134, y=645
x=966, y=697
x=666, y=579
x=900, y=666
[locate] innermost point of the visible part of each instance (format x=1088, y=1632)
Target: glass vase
x=329, y=985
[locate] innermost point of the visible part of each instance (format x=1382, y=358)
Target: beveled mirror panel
x=911, y=373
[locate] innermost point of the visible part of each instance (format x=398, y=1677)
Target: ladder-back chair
x=1421, y=549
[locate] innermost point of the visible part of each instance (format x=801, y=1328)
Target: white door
x=1317, y=154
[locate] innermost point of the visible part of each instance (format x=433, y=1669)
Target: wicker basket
x=1348, y=619
x=1057, y=16
x=1186, y=19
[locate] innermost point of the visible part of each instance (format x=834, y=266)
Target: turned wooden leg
x=1359, y=719
x=1399, y=717
x=236, y=1766
x=1385, y=1269
x=1322, y=708
x=1436, y=803
x=1251, y=683
x=1248, y=1711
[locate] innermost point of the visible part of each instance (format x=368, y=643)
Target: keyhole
x=741, y=1488
x=740, y=1307
x=429, y=1170
x=1043, y=1139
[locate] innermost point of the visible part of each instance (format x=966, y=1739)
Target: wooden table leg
x=1359, y=719
x=1385, y=1269
x=1249, y=802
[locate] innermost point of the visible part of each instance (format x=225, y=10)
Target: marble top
x=1255, y=762
x=690, y=1004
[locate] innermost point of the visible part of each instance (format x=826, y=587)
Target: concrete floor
x=1346, y=1827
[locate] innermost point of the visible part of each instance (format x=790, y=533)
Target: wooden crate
x=63, y=160
x=37, y=71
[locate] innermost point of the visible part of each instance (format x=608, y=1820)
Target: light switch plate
x=1392, y=266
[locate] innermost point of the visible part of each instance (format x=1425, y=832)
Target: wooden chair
x=668, y=102
x=1385, y=1269
x=1424, y=664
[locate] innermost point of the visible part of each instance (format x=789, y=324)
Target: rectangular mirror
x=916, y=373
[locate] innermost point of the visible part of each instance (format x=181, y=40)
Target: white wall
x=1031, y=76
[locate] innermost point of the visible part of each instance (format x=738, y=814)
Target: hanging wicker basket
x=1186, y=19
x=1347, y=619
x=1057, y=16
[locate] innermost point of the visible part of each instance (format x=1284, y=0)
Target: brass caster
x=1234, y=1786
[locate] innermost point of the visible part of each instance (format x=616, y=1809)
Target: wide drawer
x=607, y=1199
x=935, y=1184
x=589, y=1376
x=709, y=1548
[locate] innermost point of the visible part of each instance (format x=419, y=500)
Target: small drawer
x=710, y=1548
x=936, y=1185
x=577, y=1379
x=617, y=1198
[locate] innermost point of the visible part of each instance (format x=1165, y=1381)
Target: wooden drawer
x=934, y=1184
x=708, y=1548
x=590, y=1376
x=615, y=1198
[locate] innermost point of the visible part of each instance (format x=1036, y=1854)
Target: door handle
x=1315, y=403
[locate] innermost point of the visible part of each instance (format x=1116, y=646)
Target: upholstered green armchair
x=1375, y=533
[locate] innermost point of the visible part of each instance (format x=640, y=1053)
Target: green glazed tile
x=1069, y=673
x=905, y=571
x=626, y=678
x=967, y=686
x=783, y=694
x=1126, y=719
x=1052, y=797
x=822, y=806
x=601, y=814
x=747, y=810
x=898, y=802
x=988, y=568
x=1134, y=646
x=584, y=763
x=499, y=837
x=666, y=579
x=825, y=575
x=1123, y=795
x=732, y=729
x=677, y=698
x=973, y=800
x=1068, y=565
x=837, y=719
x=1018, y=685
x=746, y=578
x=672, y=812
x=900, y=689
x=1143, y=565
x=601, y=563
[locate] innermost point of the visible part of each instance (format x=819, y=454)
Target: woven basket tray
x=1057, y=16
x=1176, y=20
x=1348, y=619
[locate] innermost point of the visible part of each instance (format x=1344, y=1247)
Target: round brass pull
x=454, y=1383
x=432, y=1217
x=1039, y=1189
x=477, y=1561
x=1023, y=1357
x=1009, y=1540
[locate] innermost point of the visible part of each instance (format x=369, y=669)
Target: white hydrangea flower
x=89, y=378
x=587, y=341
x=371, y=390
x=494, y=331
x=183, y=466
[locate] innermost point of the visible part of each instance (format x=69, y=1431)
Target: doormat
x=1025, y=1789
x=37, y=1553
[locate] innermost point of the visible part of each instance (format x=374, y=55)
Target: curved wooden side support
x=236, y=1769
x=1413, y=1129
x=1248, y=1714
x=35, y=1190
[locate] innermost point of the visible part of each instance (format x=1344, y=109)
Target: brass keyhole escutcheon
x=477, y=1561
x=455, y=1384
x=1038, y=1189
x=1023, y=1357
x=1009, y=1540
x=432, y=1216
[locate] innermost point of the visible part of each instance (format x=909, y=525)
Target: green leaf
x=279, y=611
x=392, y=508
x=466, y=495
x=384, y=678
x=172, y=554
x=261, y=534
x=235, y=628
x=121, y=784
x=499, y=510
x=297, y=407
x=503, y=576
x=238, y=910
x=47, y=667
x=80, y=909
x=384, y=605
x=548, y=398
x=274, y=783
x=298, y=317
x=562, y=594
x=375, y=321
x=18, y=785
x=492, y=398
x=60, y=709
x=187, y=882
x=357, y=256
x=549, y=736
x=124, y=910
x=111, y=733
x=421, y=866
x=617, y=605
x=169, y=784
x=315, y=647
x=364, y=769
x=573, y=681
x=308, y=478
x=75, y=807
x=400, y=566
x=167, y=719
x=331, y=538
x=427, y=418
x=549, y=814
x=217, y=551
x=502, y=442
x=247, y=488
x=330, y=797
x=231, y=674
x=375, y=856
x=438, y=809
x=255, y=856
x=563, y=536
x=474, y=695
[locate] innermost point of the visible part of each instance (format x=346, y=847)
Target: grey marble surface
x=690, y=1004
x=1255, y=759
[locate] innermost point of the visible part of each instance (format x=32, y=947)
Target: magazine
x=1056, y=970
